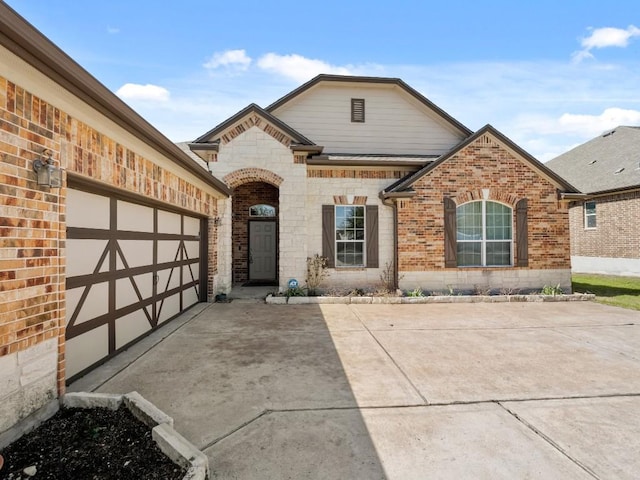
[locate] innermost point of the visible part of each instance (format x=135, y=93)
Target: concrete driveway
x=495, y=391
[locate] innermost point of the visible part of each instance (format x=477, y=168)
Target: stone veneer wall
x=484, y=164
x=324, y=190
x=254, y=155
x=32, y=224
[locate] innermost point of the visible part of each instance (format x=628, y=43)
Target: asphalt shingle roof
x=592, y=166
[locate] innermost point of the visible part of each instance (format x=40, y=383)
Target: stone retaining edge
x=574, y=297
x=170, y=442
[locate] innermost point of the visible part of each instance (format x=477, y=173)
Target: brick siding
x=484, y=164
x=617, y=232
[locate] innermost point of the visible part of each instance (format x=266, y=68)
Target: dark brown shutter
x=450, y=242
x=328, y=235
x=522, y=241
x=372, y=236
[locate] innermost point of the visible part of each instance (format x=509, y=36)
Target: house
x=605, y=232
x=92, y=261
x=370, y=174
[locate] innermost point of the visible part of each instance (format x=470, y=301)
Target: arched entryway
x=255, y=208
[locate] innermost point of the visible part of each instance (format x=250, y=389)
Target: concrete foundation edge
x=575, y=297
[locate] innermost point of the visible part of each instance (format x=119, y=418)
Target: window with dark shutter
x=345, y=233
x=328, y=240
x=357, y=110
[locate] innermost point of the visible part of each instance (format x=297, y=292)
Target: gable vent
x=357, y=110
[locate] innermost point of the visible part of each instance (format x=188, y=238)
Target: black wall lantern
x=48, y=174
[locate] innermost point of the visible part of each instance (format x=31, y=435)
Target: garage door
x=130, y=267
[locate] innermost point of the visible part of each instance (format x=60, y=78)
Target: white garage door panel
x=96, y=303
x=189, y=271
x=86, y=350
x=191, y=226
x=136, y=253
x=87, y=210
x=126, y=289
x=147, y=271
x=130, y=327
x=169, y=307
x=135, y=218
x=169, y=222
x=83, y=256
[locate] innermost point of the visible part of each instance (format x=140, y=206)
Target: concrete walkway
x=495, y=391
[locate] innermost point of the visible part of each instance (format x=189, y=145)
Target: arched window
x=484, y=234
x=262, y=210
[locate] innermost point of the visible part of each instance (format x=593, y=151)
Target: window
x=357, y=110
x=262, y=211
x=484, y=234
x=350, y=228
x=350, y=235
x=590, y=215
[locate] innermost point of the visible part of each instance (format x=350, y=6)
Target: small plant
x=452, y=291
x=295, y=292
x=357, y=292
x=483, y=290
x=551, y=290
x=509, y=291
x=316, y=272
x=416, y=292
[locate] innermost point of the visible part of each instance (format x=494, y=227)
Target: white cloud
x=603, y=38
x=148, y=92
x=596, y=124
x=235, y=59
x=113, y=30
x=299, y=68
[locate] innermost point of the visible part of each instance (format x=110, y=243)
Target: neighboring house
x=124, y=244
x=605, y=226
x=372, y=175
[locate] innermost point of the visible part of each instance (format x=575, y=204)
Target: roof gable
x=391, y=118
x=258, y=117
x=404, y=185
x=371, y=81
x=608, y=162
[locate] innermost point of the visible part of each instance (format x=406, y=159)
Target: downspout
x=392, y=204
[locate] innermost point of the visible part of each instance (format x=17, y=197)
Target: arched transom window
x=262, y=210
x=484, y=234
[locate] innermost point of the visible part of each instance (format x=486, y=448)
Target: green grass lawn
x=618, y=291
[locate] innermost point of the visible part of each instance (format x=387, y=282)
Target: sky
x=548, y=74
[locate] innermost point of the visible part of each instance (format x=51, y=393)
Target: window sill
x=350, y=269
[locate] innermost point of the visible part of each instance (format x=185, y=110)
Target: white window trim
x=364, y=241
x=484, y=241
x=587, y=215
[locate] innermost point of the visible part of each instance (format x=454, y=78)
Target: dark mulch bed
x=93, y=444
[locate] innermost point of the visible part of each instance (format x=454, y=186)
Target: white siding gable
x=395, y=122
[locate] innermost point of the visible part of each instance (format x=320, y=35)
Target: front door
x=262, y=250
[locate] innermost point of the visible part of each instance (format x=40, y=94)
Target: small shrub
x=483, y=290
x=357, y=292
x=416, y=292
x=295, y=292
x=316, y=272
x=551, y=290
